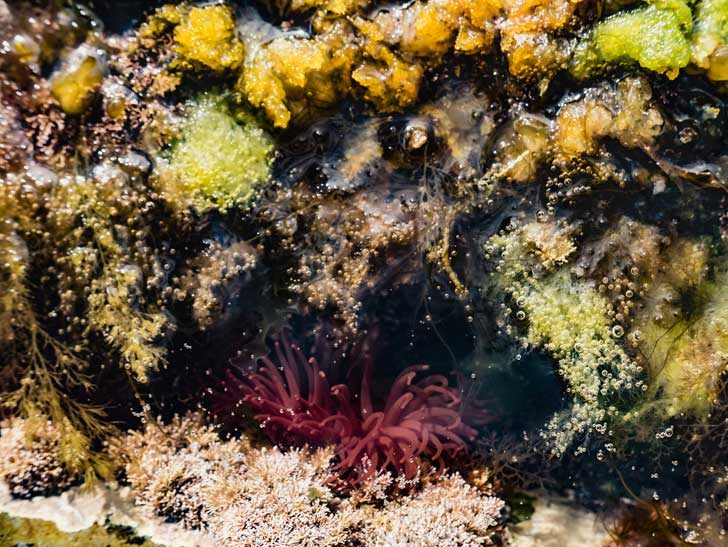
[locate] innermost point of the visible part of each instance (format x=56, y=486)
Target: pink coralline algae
x=421, y=419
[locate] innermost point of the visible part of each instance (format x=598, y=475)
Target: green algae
x=221, y=158
x=573, y=322
x=26, y=532
x=655, y=36
x=683, y=335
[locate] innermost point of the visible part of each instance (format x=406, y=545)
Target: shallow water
x=260, y=216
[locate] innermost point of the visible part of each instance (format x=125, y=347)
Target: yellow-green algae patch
x=571, y=320
x=22, y=532
x=656, y=36
x=221, y=158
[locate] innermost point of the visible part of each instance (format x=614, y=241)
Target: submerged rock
x=559, y=523
x=82, y=516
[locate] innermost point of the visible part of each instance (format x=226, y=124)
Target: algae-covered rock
x=530, y=35
x=221, y=158
x=78, y=78
x=682, y=330
x=625, y=111
x=655, y=36
x=389, y=82
x=571, y=320
x=23, y=531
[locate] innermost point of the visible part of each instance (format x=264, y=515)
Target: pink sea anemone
x=420, y=418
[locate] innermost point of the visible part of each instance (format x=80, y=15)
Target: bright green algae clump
x=223, y=155
x=656, y=36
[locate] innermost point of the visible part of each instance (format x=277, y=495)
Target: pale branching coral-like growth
x=266, y=497
x=447, y=512
x=419, y=420
x=30, y=457
x=241, y=495
x=281, y=498
x=169, y=466
x=570, y=320
x=220, y=159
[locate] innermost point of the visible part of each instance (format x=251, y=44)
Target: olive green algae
x=21, y=532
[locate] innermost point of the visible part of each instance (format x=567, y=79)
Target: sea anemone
x=295, y=404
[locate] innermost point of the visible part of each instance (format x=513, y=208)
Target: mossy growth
x=571, y=320
x=656, y=36
x=682, y=331
x=220, y=159
x=99, y=302
x=24, y=531
x=710, y=38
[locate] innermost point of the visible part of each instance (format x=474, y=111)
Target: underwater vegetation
x=220, y=159
x=570, y=320
x=18, y=531
x=246, y=495
x=347, y=273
